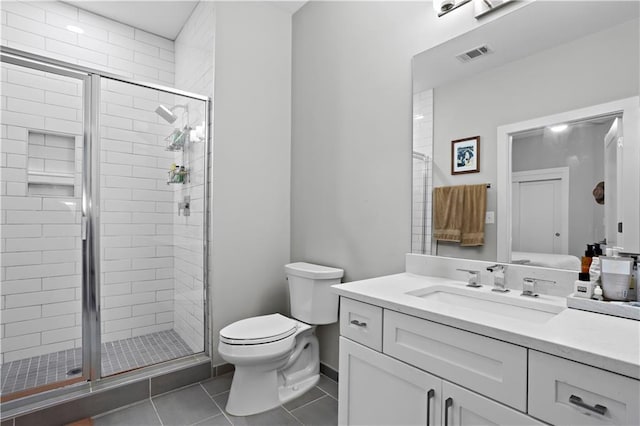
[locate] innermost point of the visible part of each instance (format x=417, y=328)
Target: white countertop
x=602, y=341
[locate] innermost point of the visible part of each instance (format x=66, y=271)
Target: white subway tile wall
x=41, y=246
x=41, y=28
x=136, y=212
x=151, y=258
x=422, y=196
x=194, y=73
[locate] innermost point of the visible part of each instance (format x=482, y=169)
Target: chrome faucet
x=473, y=278
x=529, y=286
x=498, y=271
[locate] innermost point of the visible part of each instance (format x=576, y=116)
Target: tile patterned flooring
x=120, y=355
x=203, y=404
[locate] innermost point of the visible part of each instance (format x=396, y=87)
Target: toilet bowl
x=276, y=358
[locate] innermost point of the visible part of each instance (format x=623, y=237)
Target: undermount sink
x=482, y=300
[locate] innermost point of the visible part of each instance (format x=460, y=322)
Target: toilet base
x=252, y=391
x=288, y=393
x=256, y=388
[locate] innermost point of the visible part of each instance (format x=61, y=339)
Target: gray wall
x=251, y=163
x=596, y=69
x=351, y=138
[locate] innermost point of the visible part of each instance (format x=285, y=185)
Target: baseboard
x=329, y=372
x=219, y=370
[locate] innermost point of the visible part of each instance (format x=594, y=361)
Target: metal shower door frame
x=91, y=78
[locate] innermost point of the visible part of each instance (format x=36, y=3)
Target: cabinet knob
x=358, y=323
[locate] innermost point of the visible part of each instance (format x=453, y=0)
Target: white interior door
x=540, y=211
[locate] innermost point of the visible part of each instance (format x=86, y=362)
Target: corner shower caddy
x=177, y=141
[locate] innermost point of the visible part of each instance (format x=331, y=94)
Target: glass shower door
x=152, y=173
x=43, y=114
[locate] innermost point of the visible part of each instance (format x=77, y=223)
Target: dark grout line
x=216, y=404
x=310, y=402
x=155, y=410
x=293, y=415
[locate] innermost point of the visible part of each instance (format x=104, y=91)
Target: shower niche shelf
x=51, y=167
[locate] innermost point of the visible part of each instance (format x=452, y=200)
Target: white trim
x=556, y=173
x=630, y=109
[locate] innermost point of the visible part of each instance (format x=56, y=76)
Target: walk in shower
x=103, y=203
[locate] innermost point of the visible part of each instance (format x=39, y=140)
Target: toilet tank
x=310, y=294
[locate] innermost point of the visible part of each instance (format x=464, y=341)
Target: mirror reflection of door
x=613, y=175
x=540, y=211
x=554, y=172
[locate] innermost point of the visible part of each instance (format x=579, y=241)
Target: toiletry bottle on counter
x=586, y=259
x=584, y=286
x=594, y=270
x=597, y=293
x=597, y=250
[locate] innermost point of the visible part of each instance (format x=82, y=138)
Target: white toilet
x=276, y=358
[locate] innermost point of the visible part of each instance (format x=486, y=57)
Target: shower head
x=166, y=113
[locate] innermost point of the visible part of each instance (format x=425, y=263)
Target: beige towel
x=473, y=215
x=447, y=213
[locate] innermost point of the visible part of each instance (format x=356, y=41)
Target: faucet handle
x=497, y=267
x=473, y=277
x=529, y=286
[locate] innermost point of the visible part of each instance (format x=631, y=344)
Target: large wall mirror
x=553, y=96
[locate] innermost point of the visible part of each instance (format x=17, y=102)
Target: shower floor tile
x=117, y=356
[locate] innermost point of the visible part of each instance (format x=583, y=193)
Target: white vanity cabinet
x=396, y=387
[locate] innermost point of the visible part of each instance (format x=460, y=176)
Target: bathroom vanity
x=419, y=349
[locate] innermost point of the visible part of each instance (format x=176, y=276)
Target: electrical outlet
x=490, y=217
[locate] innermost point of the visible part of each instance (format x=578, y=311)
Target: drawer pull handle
x=576, y=400
x=430, y=395
x=447, y=404
x=358, y=323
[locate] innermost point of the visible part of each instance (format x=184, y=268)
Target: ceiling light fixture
x=559, y=128
x=442, y=7
x=75, y=29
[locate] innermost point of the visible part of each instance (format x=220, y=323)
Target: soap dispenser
x=586, y=259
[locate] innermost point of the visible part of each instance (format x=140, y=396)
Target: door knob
x=557, y=234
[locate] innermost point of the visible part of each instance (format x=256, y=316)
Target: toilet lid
x=256, y=330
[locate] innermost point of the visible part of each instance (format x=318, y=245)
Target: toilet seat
x=258, y=330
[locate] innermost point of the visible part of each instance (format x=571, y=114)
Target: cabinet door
x=461, y=407
x=376, y=389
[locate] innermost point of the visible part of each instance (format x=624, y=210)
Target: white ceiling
x=163, y=18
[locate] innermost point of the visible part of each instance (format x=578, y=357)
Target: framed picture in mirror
x=465, y=155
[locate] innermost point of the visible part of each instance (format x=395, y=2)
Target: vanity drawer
x=488, y=366
x=361, y=323
x=567, y=392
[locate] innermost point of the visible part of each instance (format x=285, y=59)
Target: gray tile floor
x=203, y=404
x=117, y=356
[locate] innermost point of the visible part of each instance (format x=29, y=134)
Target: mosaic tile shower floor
x=117, y=356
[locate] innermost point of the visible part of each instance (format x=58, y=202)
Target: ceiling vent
x=474, y=53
